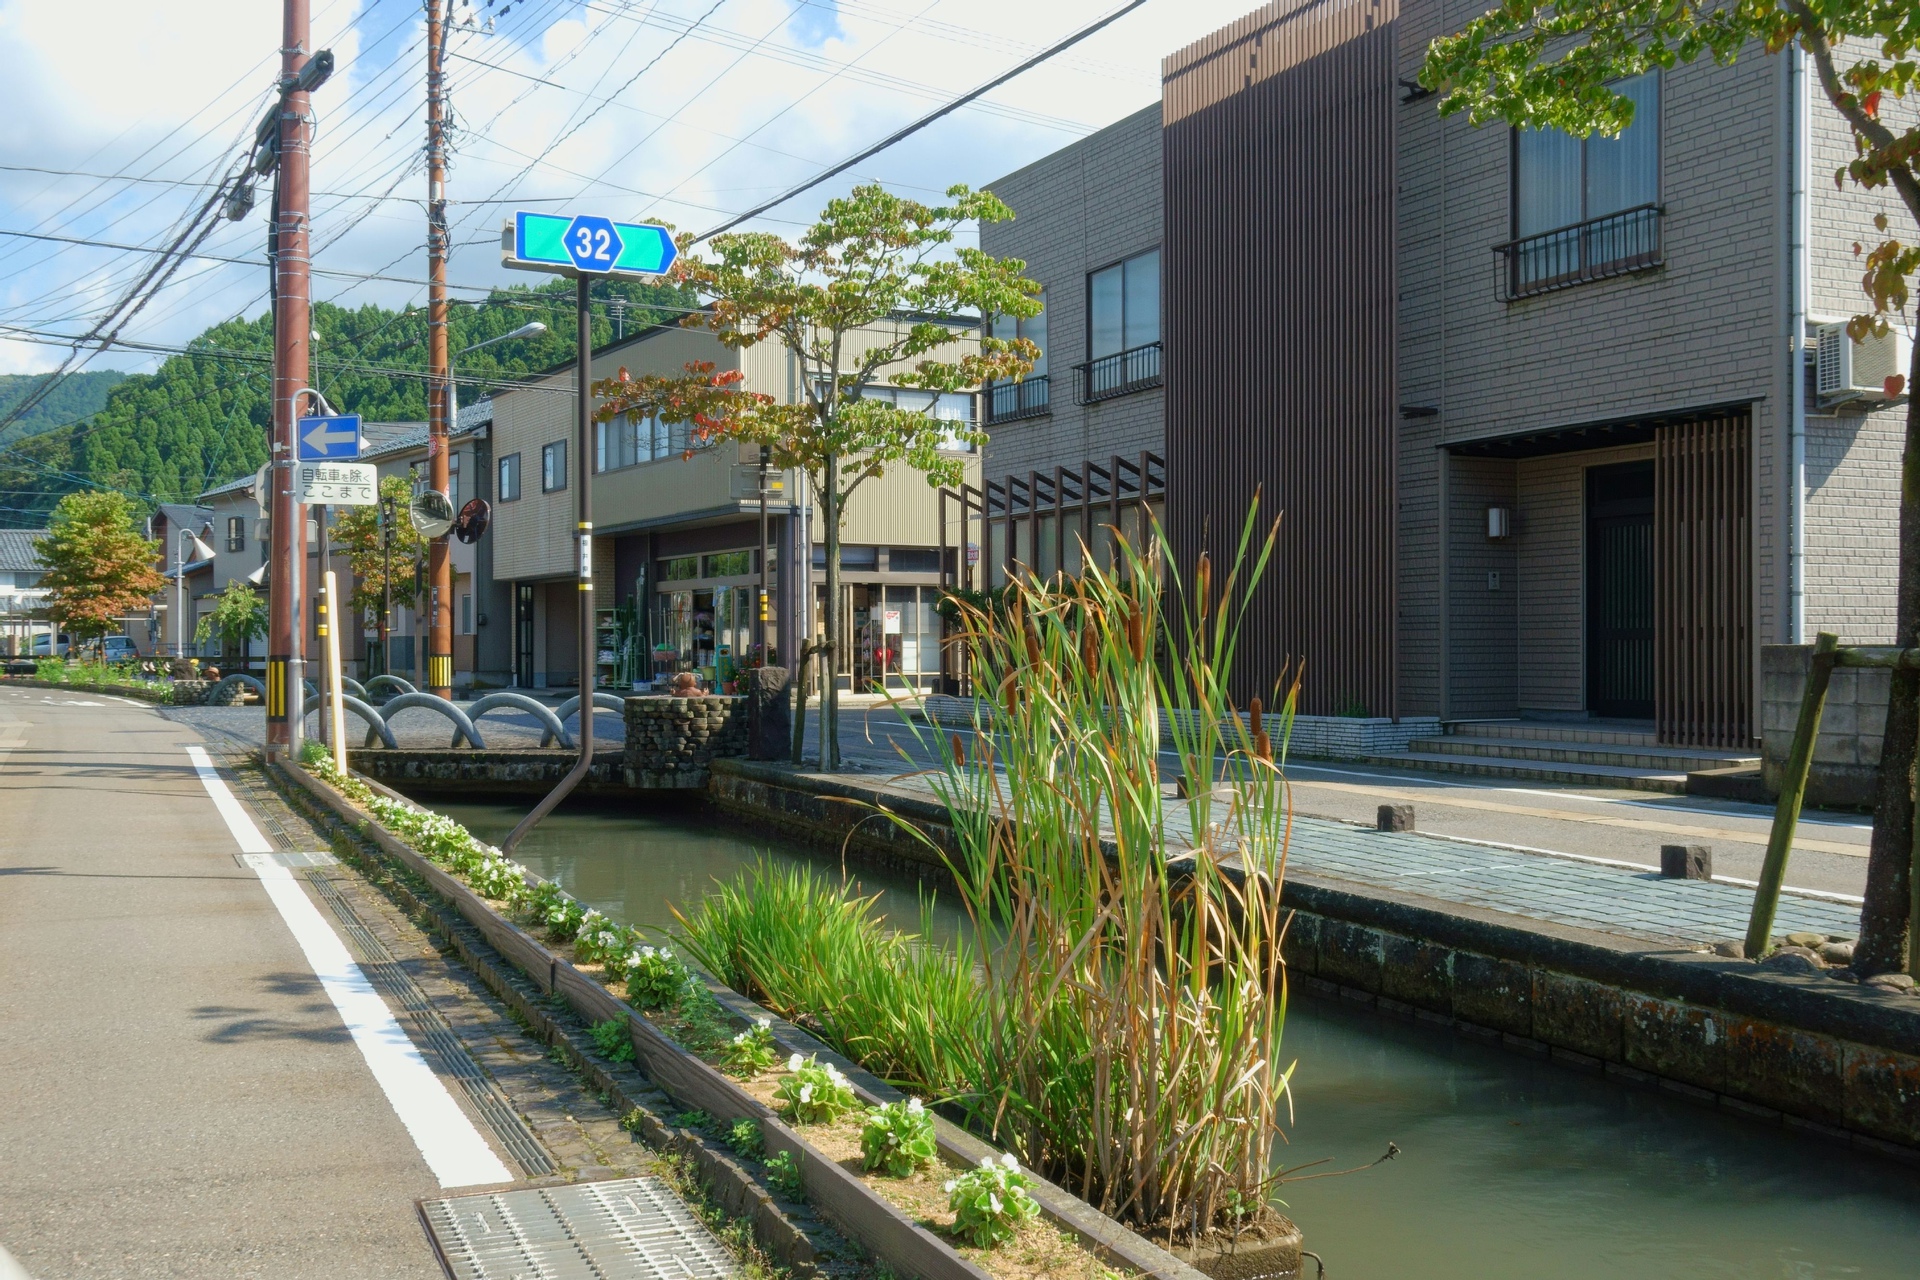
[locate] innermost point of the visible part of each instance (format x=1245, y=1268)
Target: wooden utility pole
x=439, y=383
x=292, y=320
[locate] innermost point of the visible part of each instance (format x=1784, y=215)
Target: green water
x=1509, y=1168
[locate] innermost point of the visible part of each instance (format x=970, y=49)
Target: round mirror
x=431, y=512
x=473, y=520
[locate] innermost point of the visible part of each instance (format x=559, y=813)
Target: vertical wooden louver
x=1703, y=589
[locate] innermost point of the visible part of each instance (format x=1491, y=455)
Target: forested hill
x=201, y=418
x=73, y=400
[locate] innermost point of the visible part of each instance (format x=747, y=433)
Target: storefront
x=703, y=615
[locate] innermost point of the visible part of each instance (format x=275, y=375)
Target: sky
x=683, y=111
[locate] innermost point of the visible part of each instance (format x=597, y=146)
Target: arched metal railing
x=376, y=726
x=551, y=730
x=462, y=726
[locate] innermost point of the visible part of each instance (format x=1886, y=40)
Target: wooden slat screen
x=1703, y=588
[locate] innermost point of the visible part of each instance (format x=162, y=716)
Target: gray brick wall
x=1079, y=209
x=1483, y=621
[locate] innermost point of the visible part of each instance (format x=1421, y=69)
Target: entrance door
x=1620, y=590
x=523, y=635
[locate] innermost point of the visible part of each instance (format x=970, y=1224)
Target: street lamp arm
x=524, y=331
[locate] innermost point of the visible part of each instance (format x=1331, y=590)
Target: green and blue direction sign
x=585, y=244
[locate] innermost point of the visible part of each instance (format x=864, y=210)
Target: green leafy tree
x=100, y=570
x=356, y=531
x=239, y=618
x=852, y=303
x=1538, y=65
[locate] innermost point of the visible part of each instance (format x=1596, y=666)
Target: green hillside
x=201, y=418
x=71, y=401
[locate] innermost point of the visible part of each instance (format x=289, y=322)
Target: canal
x=1510, y=1168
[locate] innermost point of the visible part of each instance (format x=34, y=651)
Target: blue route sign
x=329, y=439
x=577, y=244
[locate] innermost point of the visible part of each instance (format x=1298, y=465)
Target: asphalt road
x=182, y=1098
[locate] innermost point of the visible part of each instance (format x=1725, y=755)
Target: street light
x=187, y=537
x=453, y=385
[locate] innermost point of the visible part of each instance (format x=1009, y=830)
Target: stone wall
x=485, y=773
x=671, y=741
x=1846, y=756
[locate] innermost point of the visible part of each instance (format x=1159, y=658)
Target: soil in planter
x=1040, y=1250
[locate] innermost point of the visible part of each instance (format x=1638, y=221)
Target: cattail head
x=1090, y=646
x=1030, y=633
x=1203, y=583
x=1137, y=633
x=1262, y=745
x=1254, y=708
x=959, y=751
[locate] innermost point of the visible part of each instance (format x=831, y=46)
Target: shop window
x=866, y=559
x=730, y=564
x=914, y=560
x=680, y=569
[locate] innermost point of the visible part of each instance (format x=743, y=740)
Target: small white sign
x=890, y=622
x=338, y=484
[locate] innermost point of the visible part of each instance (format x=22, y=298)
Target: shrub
x=897, y=1139
x=655, y=977
x=750, y=1052
x=612, y=1039
x=814, y=1092
x=990, y=1204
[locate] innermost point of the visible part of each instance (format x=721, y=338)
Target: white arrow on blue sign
x=329, y=439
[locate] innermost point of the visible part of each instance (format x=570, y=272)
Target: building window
x=865, y=559
x=553, y=466
x=453, y=480
x=680, y=569
x=1027, y=398
x=466, y=613
x=914, y=560
x=946, y=406
x=1123, y=328
x=510, y=477
x=236, y=533
x=620, y=443
x=730, y=564
x=1586, y=208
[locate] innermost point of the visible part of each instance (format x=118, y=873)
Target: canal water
x=1509, y=1168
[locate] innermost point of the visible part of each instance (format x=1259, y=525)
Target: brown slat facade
x=1279, y=266
x=1703, y=581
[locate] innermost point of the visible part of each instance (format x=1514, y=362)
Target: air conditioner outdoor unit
x=1846, y=370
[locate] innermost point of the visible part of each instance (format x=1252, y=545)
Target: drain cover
x=630, y=1229
x=288, y=859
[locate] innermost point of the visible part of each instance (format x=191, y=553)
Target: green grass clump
x=611, y=1038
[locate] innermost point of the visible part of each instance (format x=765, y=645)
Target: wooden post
x=336, y=710
x=1793, y=790
x=1913, y=898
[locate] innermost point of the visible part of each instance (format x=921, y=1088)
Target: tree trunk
x=1883, y=917
x=830, y=684
x=800, y=685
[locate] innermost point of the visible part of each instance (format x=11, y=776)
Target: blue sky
x=685, y=110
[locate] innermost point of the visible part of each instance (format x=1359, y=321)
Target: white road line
x=448, y=1142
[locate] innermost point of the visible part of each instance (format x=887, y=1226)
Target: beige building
x=677, y=549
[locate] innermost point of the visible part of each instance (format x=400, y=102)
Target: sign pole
x=439, y=429
x=292, y=323
x=326, y=616
x=589, y=641
x=337, y=738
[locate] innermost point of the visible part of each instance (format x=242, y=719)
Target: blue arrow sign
x=329, y=439
x=553, y=242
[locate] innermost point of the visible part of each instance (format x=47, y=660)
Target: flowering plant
x=655, y=977
x=555, y=910
x=601, y=941
x=750, y=1052
x=897, y=1139
x=814, y=1092
x=990, y=1204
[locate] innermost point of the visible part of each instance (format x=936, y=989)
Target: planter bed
x=155, y=693
x=839, y=1192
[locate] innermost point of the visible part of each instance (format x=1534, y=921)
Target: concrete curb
x=136, y=692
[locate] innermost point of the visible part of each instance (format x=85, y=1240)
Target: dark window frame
x=509, y=462
x=553, y=460
x=1137, y=368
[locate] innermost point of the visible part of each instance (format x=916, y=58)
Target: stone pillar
x=769, y=718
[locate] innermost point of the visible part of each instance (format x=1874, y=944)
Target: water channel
x=1510, y=1168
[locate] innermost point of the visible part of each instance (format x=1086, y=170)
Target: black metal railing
x=1598, y=249
x=1028, y=398
x=1121, y=373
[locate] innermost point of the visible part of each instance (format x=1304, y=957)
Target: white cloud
x=757, y=97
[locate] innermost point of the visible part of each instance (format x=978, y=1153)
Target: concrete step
x=1610, y=733
x=1574, y=775
x=1560, y=751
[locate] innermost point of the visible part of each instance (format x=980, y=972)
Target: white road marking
x=448, y=1142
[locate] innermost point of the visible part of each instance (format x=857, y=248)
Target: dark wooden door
x=523, y=635
x=1620, y=590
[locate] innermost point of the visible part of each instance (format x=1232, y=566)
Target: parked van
x=49, y=646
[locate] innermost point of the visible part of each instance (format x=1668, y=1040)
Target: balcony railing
x=1119, y=374
x=1615, y=245
x=1010, y=401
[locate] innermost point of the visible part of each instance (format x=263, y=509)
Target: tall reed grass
x=1120, y=1027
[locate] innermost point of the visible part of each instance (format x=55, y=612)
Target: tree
x=852, y=300
x=99, y=569
x=356, y=531
x=1540, y=65
x=238, y=618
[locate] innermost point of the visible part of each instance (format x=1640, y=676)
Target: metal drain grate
x=630, y=1229
x=451, y=1056
x=291, y=859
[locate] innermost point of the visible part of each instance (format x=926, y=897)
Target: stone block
x=1574, y=1013
x=1300, y=945
x=1394, y=817
x=1797, y=1071
x=1420, y=973
x=1350, y=954
x=1676, y=1040
x=1494, y=993
x=1686, y=861
x=1881, y=1092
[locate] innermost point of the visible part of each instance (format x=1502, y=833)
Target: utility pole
x=439, y=383
x=292, y=327
x=387, y=513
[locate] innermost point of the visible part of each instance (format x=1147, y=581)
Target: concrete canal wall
x=1795, y=1049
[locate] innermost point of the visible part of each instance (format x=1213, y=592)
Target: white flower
x=793, y=1063
x=986, y=1162
x=647, y=952
x=666, y=953
x=1010, y=1162
x=763, y=1023
x=913, y=1107
x=806, y=1093
x=993, y=1203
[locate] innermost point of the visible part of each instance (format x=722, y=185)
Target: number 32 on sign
x=339, y=484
